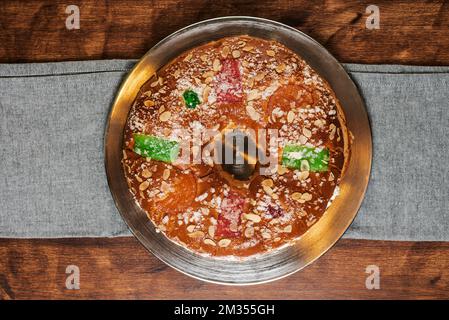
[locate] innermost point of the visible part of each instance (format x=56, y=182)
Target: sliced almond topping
x=290, y=116
x=209, y=73
x=225, y=51
x=253, y=95
x=277, y=113
x=196, y=234
x=206, y=91
x=233, y=227
x=190, y=228
x=270, y=192
x=302, y=139
x=166, y=131
x=288, y=229
x=208, y=80
x=154, y=83
x=267, y=183
x=296, y=196
x=209, y=242
x=260, y=76
x=165, y=116
x=282, y=170
x=253, y=114
x=236, y=54
x=253, y=217
x=266, y=235
x=303, y=175
x=271, y=53
x=331, y=177
x=305, y=166
x=306, y=132
x=306, y=196
x=144, y=185
x=166, y=174
x=224, y=243
x=146, y=173
x=280, y=68
x=333, y=129
x=247, y=48
x=216, y=65
x=165, y=187
x=211, y=231
x=149, y=103
x=319, y=122
x=250, y=82
x=249, y=232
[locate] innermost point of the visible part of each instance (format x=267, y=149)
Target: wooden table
x=410, y=33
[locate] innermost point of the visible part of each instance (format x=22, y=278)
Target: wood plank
x=121, y=268
x=410, y=32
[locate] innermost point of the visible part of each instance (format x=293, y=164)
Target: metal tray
x=322, y=235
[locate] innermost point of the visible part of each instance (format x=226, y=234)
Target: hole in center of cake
x=239, y=155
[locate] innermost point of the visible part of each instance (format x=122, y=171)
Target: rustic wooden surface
x=121, y=268
x=411, y=32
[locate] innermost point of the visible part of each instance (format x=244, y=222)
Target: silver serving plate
x=322, y=235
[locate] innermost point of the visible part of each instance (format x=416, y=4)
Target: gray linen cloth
x=53, y=183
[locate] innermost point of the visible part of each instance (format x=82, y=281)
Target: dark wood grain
x=412, y=32
x=121, y=268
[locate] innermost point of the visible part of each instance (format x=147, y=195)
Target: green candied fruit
x=305, y=158
x=191, y=99
x=155, y=148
